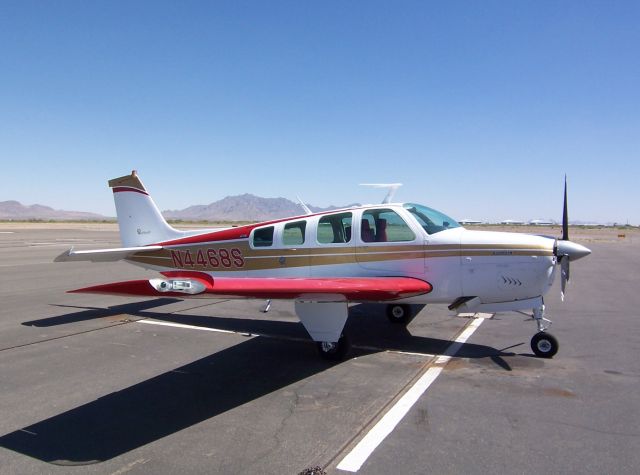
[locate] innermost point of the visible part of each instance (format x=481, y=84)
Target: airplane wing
x=103, y=255
x=183, y=284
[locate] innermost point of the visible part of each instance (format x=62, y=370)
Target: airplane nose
x=573, y=250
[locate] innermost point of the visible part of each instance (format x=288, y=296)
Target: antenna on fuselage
x=392, y=187
x=304, y=206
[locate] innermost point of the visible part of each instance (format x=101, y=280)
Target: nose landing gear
x=543, y=344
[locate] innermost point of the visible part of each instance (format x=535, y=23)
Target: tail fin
x=139, y=219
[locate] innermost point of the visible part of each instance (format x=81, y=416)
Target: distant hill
x=13, y=210
x=245, y=207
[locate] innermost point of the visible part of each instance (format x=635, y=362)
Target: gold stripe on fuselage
x=234, y=256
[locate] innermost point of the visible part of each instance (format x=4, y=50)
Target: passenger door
x=386, y=244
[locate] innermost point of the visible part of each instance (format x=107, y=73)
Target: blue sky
x=479, y=108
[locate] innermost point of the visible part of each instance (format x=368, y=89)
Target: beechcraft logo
x=141, y=231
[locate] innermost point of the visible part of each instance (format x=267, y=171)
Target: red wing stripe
x=130, y=287
x=352, y=288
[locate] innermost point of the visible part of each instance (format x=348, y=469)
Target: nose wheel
x=544, y=345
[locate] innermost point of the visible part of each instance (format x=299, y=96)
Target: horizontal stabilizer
x=186, y=284
x=103, y=255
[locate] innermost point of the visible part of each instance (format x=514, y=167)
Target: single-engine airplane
x=391, y=253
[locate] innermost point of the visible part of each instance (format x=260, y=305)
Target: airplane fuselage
x=371, y=241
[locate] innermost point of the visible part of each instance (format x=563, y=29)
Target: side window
x=293, y=234
x=384, y=225
x=334, y=228
x=263, y=237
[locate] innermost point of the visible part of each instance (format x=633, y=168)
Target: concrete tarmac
x=94, y=384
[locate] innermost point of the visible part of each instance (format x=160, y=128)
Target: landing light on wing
x=191, y=287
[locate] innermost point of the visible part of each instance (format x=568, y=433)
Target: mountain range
x=13, y=210
x=245, y=207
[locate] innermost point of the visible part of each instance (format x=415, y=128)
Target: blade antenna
x=565, y=214
x=306, y=209
x=393, y=187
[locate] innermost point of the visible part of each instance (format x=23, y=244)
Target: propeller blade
x=564, y=275
x=565, y=214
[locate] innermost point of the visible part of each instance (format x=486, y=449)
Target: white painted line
x=6, y=232
x=27, y=264
x=361, y=452
x=218, y=330
x=409, y=353
x=192, y=327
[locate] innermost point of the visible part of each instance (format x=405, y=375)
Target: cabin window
x=334, y=228
x=263, y=237
x=384, y=225
x=293, y=234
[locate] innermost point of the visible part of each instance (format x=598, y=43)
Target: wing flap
x=195, y=284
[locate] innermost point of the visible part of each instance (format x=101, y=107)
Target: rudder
x=139, y=219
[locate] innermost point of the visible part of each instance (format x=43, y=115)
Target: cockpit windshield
x=431, y=220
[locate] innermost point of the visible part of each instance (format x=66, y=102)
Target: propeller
x=565, y=250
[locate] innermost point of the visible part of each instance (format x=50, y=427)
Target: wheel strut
x=538, y=316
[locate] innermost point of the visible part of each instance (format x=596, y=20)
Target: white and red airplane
x=390, y=253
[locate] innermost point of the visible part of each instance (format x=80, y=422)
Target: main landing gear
x=543, y=344
x=399, y=313
x=334, y=351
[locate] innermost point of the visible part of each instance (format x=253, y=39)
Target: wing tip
x=64, y=256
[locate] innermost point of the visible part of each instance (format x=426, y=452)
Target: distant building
x=511, y=222
x=541, y=222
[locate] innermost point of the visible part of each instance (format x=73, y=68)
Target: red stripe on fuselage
x=242, y=232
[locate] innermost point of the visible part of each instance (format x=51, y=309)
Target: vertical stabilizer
x=139, y=219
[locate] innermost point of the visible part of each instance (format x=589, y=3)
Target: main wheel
x=334, y=351
x=397, y=313
x=544, y=345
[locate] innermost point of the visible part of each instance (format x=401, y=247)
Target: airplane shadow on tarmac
x=150, y=410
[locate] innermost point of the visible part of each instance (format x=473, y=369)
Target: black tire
x=544, y=345
x=334, y=351
x=397, y=313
